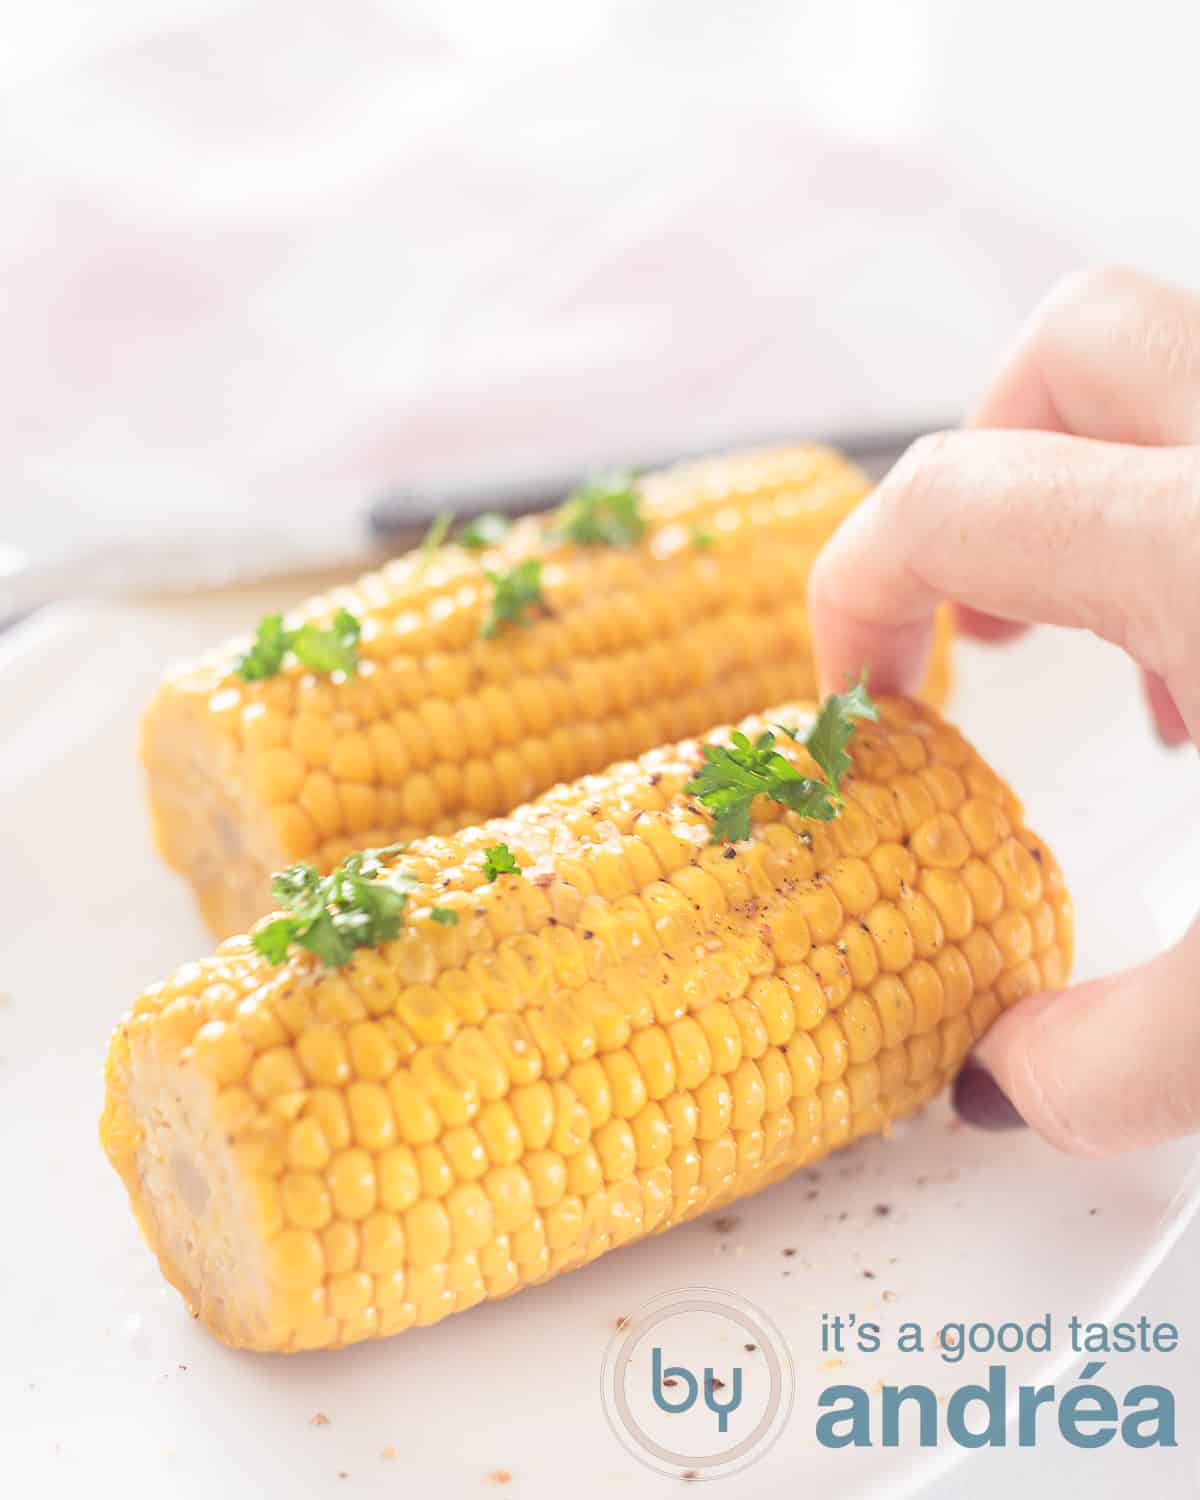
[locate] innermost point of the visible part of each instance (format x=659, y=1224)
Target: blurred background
x=260, y=261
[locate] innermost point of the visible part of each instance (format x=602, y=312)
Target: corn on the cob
x=640, y=1027
x=441, y=728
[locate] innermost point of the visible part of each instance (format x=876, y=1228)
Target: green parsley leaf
x=439, y=528
x=265, y=656
x=274, y=939
x=487, y=530
x=443, y=916
x=499, y=860
x=732, y=776
x=331, y=650
x=831, y=733
x=322, y=937
x=360, y=904
x=512, y=594
x=374, y=861
x=702, y=537
x=604, y=512
x=299, y=890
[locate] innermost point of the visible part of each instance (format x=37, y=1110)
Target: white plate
x=104, y=1377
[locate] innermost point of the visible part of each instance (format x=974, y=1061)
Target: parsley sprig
x=360, y=904
x=513, y=593
x=439, y=529
x=732, y=776
x=604, y=512
x=486, y=530
x=332, y=650
x=499, y=860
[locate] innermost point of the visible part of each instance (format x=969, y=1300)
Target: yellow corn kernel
x=351, y=1179
x=383, y=1244
x=328, y=1109
x=465, y=1153
x=564, y=1223
x=693, y=1060
x=831, y=1043
x=617, y=1150
x=806, y=1064
x=940, y=843
x=860, y=1024
x=500, y=1133
x=827, y=965
x=275, y=1071
x=416, y=1118
x=572, y=1122
x=749, y=1095
x=1019, y=874
x=774, y=1001
x=776, y=1070
x=306, y=1200
x=809, y=1000
x=307, y=1148
x=585, y=1172
x=948, y=893
x=714, y=1102
x=296, y=1260
x=626, y=1084
x=892, y=936
x=723, y=1035
x=399, y=1179
x=340, y=1246
x=547, y=1173
x=652, y=1055
x=681, y=1115
x=434, y=1170
x=372, y=1055
x=471, y=1217
x=981, y=952
x=718, y=1162
x=533, y=1106
x=984, y=824
x=512, y=1042
x=371, y=1119
x=652, y=1136
x=822, y=911
x=511, y=1196
x=427, y=1232
x=221, y=1053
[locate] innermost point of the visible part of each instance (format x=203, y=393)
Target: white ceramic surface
x=103, y=1376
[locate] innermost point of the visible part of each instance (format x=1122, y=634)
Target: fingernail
x=981, y=1101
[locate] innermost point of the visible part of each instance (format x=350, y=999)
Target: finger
x=1023, y=526
x=1109, y=354
x=982, y=627
x=1106, y=1066
x=1164, y=710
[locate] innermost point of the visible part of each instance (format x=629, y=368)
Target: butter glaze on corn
x=642, y=1027
x=440, y=728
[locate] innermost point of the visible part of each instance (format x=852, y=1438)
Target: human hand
x=1085, y=512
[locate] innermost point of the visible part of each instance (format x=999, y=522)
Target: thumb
x=1100, y=1068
